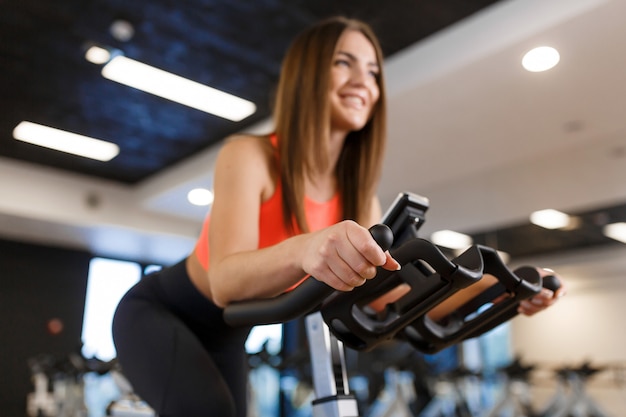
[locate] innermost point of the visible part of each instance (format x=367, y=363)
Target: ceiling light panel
x=173, y=87
x=64, y=141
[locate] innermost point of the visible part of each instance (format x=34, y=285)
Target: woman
x=278, y=215
x=295, y=203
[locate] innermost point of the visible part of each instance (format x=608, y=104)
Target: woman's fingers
x=390, y=263
x=347, y=256
x=538, y=303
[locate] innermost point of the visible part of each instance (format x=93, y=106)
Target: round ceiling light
x=122, y=30
x=200, y=197
x=540, y=59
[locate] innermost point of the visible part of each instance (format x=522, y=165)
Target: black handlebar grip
x=383, y=235
x=551, y=282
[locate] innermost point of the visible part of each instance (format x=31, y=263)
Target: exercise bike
x=335, y=319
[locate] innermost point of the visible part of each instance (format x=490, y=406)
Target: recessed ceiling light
x=550, y=219
x=97, y=55
x=122, y=30
x=615, y=231
x=450, y=239
x=200, y=197
x=64, y=141
x=540, y=59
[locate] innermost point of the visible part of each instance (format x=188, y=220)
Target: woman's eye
x=342, y=62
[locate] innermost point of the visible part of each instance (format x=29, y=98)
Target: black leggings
x=177, y=352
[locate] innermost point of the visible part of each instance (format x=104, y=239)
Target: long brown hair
x=302, y=120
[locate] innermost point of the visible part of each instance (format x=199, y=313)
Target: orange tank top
x=271, y=227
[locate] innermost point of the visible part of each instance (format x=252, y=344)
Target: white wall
x=586, y=325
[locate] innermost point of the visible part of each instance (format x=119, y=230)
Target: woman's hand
x=545, y=298
x=345, y=256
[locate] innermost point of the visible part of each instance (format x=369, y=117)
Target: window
x=108, y=281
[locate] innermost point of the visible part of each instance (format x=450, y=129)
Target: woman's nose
x=360, y=75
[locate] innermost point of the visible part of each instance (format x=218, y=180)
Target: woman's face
x=354, y=77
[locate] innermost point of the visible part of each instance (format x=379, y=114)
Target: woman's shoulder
x=245, y=145
x=250, y=157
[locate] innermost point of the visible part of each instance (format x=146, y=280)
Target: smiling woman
x=354, y=82
x=292, y=203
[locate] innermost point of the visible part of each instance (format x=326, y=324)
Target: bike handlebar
x=303, y=299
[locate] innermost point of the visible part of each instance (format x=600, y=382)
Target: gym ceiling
x=236, y=46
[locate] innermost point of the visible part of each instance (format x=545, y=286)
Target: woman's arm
x=343, y=256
